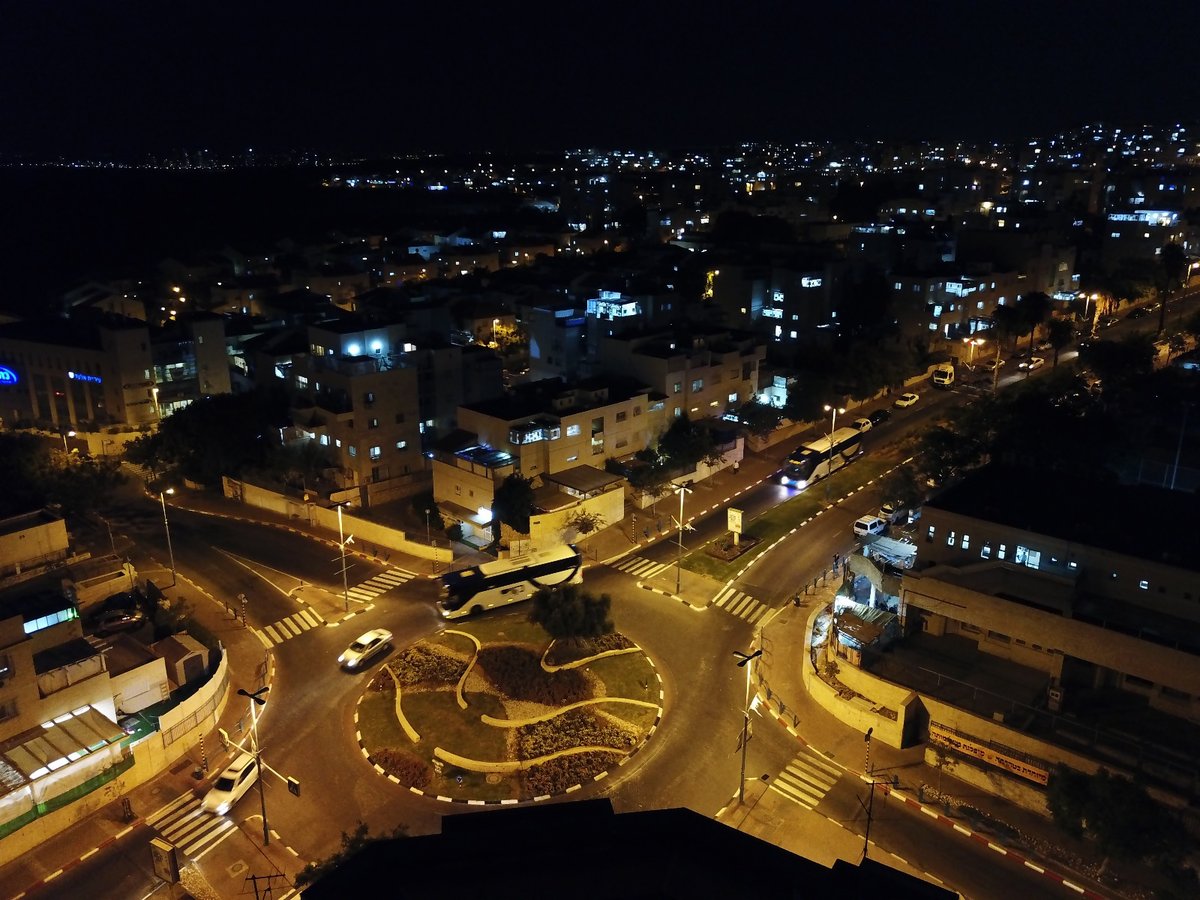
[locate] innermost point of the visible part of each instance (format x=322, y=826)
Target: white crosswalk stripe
x=740, y=604
x=291, y=626
x=641, y=567
x=186, y=825
x=806, y=780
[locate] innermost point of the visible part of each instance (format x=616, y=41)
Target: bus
x=466, y=592
x=815, y=460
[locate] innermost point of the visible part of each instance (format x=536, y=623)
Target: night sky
x=86, y=77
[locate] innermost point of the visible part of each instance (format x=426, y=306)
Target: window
x=301, y=381
x=572, y=431
x=8, y=710
x=637, y=410
x=376, y=452
x=697, y=385
x=966, y=541
x=353, y=450
x=1001, y=552
x=1031, y=558
x=950, y=539
x=369, y=397
x=574, y=458
x=5, y=667
x=47, y=621
x=678, y=387
x=986, y=551
x=997, y=636
x=621, y=416
x=324, y=440
x=1144, y=584
x=337, y=442
x=401, y=445
x=372, y=423
x=678, y=411
x=732, y=399
x=929, y=536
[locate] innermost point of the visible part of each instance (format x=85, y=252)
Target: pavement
x=1027, y=838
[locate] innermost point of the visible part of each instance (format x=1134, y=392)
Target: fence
x=180, y=721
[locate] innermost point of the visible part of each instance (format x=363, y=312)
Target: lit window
x=678, y=387
x=301, y=381
x=337, y=442
x=573, y=430
x=733, y=398
x=373, y=423
x=1144, y=584
x=950, y=539
x=986, y=552
x=324, y=440
x=697, y=385
x=353, y=451
x=401, y=445
x=1000, y=553
x=376, y=452
x=929, y=537
x=678, y=411
x=966, y=541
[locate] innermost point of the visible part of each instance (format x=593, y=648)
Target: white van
x=943, y=375
x=872, y=525
x=231, y=785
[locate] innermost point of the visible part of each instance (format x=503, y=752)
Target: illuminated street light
x=162, y=498
x=745, y=661
x=832, y=427
x=256, y=700
x=683, y=490
x=342, y=542
x=67, y=434
x=495, y=322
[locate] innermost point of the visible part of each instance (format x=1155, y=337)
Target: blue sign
x=79, y=376
x=8, y=376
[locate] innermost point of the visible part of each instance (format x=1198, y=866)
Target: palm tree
x=1059, y=332
x=1033, y=309
x=1172, y=265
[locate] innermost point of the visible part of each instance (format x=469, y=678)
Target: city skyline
x=372, y=79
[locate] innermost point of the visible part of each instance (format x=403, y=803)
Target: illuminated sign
x=8, y=376
x=79, y=376
x=940, y=734
x=808, y=282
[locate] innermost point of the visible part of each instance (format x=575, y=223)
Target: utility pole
x=683, y=490
x=256, y=700
x=745, y=661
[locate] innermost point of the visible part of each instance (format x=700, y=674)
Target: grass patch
x=436, y=717
x=629, y=675
x=781, y=519
x=377, y=721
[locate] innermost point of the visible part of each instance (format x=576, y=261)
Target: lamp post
x=683, y=490
x=256, y=700
x=832, y=427
x=495, y=343
x=65, y=435
x=428, y=541
x=744, y=662
x=342, y=542
x=162, y=498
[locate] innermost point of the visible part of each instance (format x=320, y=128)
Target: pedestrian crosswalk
x=806, y=780
x=381, y=583
x=290, y=626
x=641, y=567
x=186, y=825
x=740, y=604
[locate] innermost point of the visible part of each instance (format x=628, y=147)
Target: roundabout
x=496, y=712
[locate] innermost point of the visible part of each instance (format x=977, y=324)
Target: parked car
x=119, y=620
x=880, y=416
x=1140, y=313
x=992, y=365
x=862, y=424
x=364, y=647
x=893, y=514
x=1036, y=363
x=906, y=400
x=869, y=525
x=231, y=785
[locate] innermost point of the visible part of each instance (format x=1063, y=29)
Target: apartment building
x=1095, y=586
x=702, y=374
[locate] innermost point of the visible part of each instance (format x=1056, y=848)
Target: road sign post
x=734, y=517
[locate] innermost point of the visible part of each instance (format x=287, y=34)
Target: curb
x=654, y=590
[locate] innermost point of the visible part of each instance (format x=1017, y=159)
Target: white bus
x=815, y=460
x=466, y=592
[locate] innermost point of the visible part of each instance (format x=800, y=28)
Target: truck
x=943, y=375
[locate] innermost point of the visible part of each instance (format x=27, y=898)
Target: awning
x=53, y=745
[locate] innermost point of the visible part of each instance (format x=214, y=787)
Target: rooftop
x=1136, y=520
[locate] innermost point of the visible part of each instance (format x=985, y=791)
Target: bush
x=517, y=673
x=409, y=770
x=557, y=775
x=423, y=663
x=563, y=652
x=577, y=728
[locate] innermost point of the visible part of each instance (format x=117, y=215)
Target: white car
x=862, y=424
x=1036, y=363
x=906, y=400
x=231, y=785
x=364, y=647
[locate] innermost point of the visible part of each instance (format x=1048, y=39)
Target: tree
x=686, y=443
x=1006, y=321
x=1116, y=813
x=584, y=522
x=903, y=486
x=759, y=418
x=569, y=614
x=1033, y=309
x=1172, y=266
x=1060, y=333
x=512, y=504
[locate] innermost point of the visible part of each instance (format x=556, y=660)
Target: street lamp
x=972, y=343
x=744, y=662
x=495, y=322
x=832, y=427
x=428, y=541
x=342, y=542
x=256, y=700
x=683, y=490
x=67, y=434
x=162, y=498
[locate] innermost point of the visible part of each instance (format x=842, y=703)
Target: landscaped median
x=781, y=519
x=494, y=711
